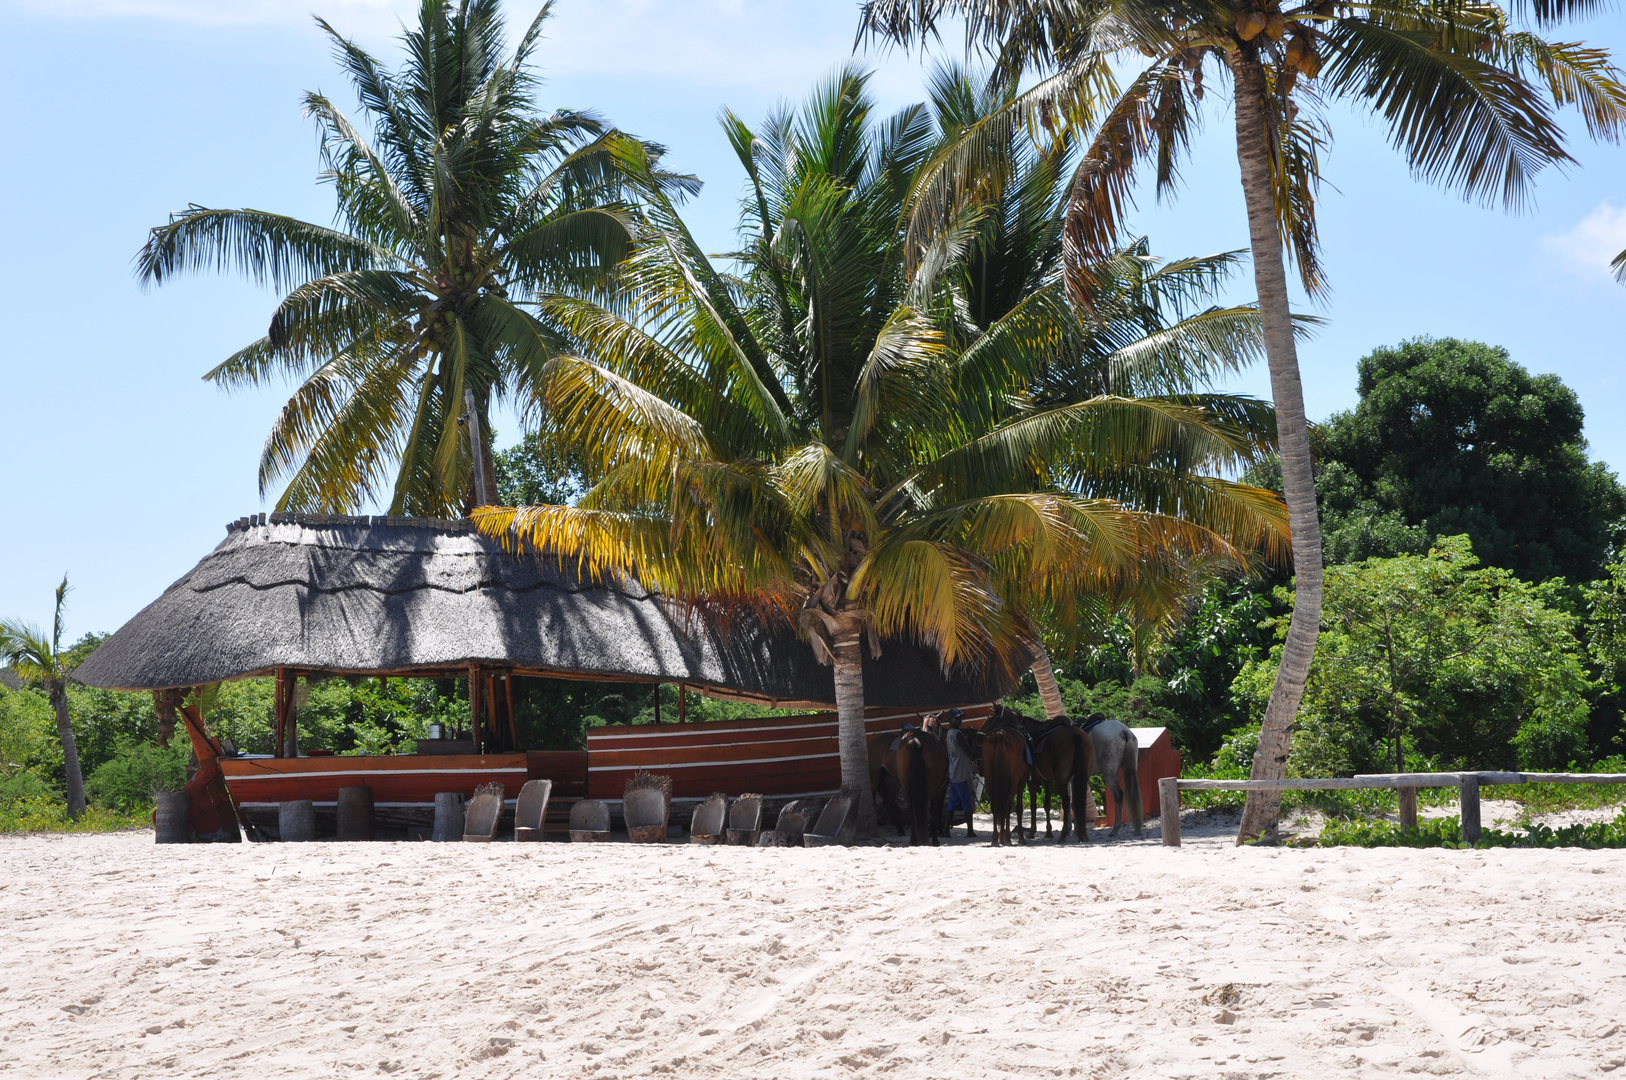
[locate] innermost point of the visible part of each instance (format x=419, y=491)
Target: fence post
x=1408, y=809
x=1168, y=799
x=1468, y=806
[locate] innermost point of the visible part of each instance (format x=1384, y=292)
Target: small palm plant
x=40, y=659
x=837, y=436
x=408, y=319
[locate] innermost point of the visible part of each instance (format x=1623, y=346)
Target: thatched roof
x=411, y=596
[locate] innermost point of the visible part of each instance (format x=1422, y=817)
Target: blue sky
x=122, y=466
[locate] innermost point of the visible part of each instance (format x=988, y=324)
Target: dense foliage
x=1454, y=437
x=1469, y=666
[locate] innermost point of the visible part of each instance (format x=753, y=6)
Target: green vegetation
x=1447, y=833
x=1452, y=437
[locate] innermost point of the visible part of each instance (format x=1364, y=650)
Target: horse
x=911, y=765
x=1062, y=760
x=1004, y=761
x=1117, y=751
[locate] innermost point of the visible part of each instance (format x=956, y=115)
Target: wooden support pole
x=290, y=724
x=657, y=703
x=1408, y=809
x=508, y=701
x=683, y=704
x=1468, y=807
x=1168, y=798
x=475, y=719
x=279, y=712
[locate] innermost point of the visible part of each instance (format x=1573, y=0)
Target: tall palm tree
x=833, y=438
x=1466, y=92
x=406, y=320
x=1153, y=329
x=40, y=659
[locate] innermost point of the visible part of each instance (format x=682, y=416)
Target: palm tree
x=1129, y=346
x=1467, y=95
x=405, y=321
x=833, y=438
x=40, y=659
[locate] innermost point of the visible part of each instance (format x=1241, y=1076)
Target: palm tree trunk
x=1050, y=694
x=1045, y=676
x=70, y=750
x=1262, y=810
x=853, y=741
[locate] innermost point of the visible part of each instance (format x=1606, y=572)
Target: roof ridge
x=459, y=525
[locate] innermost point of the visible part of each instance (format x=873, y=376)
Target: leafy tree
x=40, y=659
x=465, y=207
x=1434, y=654
x=1465, y=90
x=536, y=471
x=1454, y=437
x=835, y=435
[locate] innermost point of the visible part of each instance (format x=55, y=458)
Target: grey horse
x=1115, y=750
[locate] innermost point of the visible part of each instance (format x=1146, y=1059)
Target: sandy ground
x=119, y=958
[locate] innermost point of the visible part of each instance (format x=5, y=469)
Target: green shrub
x=23, y=784
x=129, y=780
x=1447, y=833
x=50, y=814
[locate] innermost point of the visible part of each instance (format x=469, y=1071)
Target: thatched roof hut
x=415, y=597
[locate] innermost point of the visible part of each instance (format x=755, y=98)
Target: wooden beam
x=683, y=703
x=657, y=703
x=279, y=710
x=475, y=719
x=508, y=700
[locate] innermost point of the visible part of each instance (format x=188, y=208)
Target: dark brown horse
x=910, y=767
x=1004, y=764
x=1062, y=761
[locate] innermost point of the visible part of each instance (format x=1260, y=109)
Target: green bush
x=50, y=814
x=22, y=784
x=131, y=779
x=1447, y=833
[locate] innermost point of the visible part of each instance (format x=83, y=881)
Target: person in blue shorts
x=960, y=796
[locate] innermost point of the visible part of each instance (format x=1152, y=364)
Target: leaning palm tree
x=405, y=321
x=39, y=659
x=1467, y=94
x=832, y=439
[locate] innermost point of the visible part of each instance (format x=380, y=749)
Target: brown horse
x=1004, y=764
x=910, y=766
x=1062, y=761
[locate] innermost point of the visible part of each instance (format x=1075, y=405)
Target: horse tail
x=1131, y=768
x=917, y=792
x=1083, y=760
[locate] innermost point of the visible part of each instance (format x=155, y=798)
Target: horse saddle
x=1092, y=723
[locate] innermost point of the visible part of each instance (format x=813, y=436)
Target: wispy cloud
x=375, y=15
x=761, y=44
x=1585, y=250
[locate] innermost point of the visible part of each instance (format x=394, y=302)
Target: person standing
x=960, y=796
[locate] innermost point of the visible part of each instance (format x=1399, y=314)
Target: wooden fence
x=1407, y=784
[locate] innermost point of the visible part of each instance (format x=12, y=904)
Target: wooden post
x=683, y=704
x=1468, y=806
x=508, y=701
x=279, y=712
x=290, y=725
x=1408, y=809
x=657, y=703
x=1168, y=798
x=475, y=719
x=214, y=818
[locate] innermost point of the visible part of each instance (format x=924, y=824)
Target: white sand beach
x=119, y=958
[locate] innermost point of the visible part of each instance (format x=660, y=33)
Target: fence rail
x=1407, y=784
